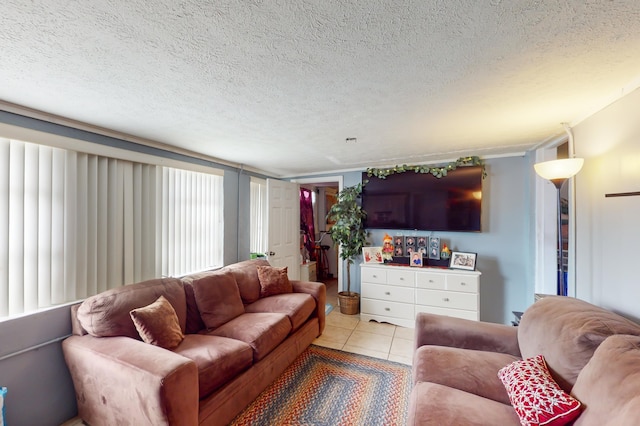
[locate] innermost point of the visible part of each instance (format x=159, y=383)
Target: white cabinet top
x=429, y=269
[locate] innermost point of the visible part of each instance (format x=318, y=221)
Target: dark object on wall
x=421, y=201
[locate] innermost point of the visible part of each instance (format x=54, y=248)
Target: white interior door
x=284, y=226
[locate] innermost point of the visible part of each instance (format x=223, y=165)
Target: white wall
x=608, y=228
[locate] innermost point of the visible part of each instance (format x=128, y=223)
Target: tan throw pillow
x=157, y=324
x=273, y=281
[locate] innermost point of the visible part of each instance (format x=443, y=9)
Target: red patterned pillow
x=536, y=397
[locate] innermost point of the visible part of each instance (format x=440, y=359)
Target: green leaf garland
x=437, y=171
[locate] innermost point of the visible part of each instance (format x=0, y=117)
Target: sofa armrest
x=120, y=380
x=319, y=293
x=440, y=330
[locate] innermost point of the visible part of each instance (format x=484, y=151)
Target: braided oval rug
x=331, y=387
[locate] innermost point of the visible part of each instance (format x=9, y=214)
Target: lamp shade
x=559, y=169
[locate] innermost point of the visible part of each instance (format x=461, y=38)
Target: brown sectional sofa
x=592, y=353
x=236, y=342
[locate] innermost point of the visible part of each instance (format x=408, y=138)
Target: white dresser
x=395, y=293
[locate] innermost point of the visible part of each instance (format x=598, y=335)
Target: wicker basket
x=349, y=302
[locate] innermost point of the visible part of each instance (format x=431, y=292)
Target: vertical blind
x=258, y=206
x=192, y=228
x=74, y=224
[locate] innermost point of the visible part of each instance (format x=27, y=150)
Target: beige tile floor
x=379, y=340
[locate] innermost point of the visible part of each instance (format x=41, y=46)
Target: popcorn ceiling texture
x=279, y=85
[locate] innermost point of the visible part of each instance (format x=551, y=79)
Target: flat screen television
x=420, y=201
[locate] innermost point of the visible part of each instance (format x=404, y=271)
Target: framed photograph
x=416, y=259
x=398, y=241
x=372, y=254
x=462, y=260
x=422, y=241
x=398, y=251
x=434, y=248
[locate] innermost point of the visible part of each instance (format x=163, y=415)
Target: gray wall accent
x=243, y=213
x=58, y=129
x=40, y=390
x=231, y=216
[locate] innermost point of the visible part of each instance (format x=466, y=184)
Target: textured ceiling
x=280, y=85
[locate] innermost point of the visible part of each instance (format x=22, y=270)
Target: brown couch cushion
x=609, y=385
x=218, y=359
x=464, y=369
x=273, y=281
x=432, y=404
x=246, y=275
x=107, y=314
x=566, y=331
x=262, y=331
x=194, y=320
x=298, y=307
x=157, y=324
x=218, y=298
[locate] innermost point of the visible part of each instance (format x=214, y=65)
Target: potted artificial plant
x=348, y=233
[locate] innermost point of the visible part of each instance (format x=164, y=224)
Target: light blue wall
x=504, y=247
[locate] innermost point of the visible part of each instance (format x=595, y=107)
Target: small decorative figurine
x=445, y=253
x=387, y=248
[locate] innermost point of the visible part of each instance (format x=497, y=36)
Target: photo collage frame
x=407, y=245
x=418, y=248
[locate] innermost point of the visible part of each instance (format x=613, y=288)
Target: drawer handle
x=375, y=276
x=387, y=309
x=430, y=281
x=463, y=283
x=388, y=293
x=446, y=299
x=401, y=279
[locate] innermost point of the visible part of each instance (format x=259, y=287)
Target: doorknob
x=271, y=253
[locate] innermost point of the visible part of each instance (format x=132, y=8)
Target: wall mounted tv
x=421, y=201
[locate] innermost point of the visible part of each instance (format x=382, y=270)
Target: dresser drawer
x=456, y=313
x=390, y=309
x=401, y=277
x=388, y=292
x=447, y=299
x=465, y=283
x=431, y=280
x=373, y=275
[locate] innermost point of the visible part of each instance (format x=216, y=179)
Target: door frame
x=339, y=180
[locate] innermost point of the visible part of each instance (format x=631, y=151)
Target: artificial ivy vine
x=437, y=171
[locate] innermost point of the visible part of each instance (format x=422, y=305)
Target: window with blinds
x=74, y=224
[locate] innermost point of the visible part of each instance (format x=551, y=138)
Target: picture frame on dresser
x=434, y=248
x=398, y=245
x=422, y=241
x=463, y=260
x=416, y=259
x=372, y=254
